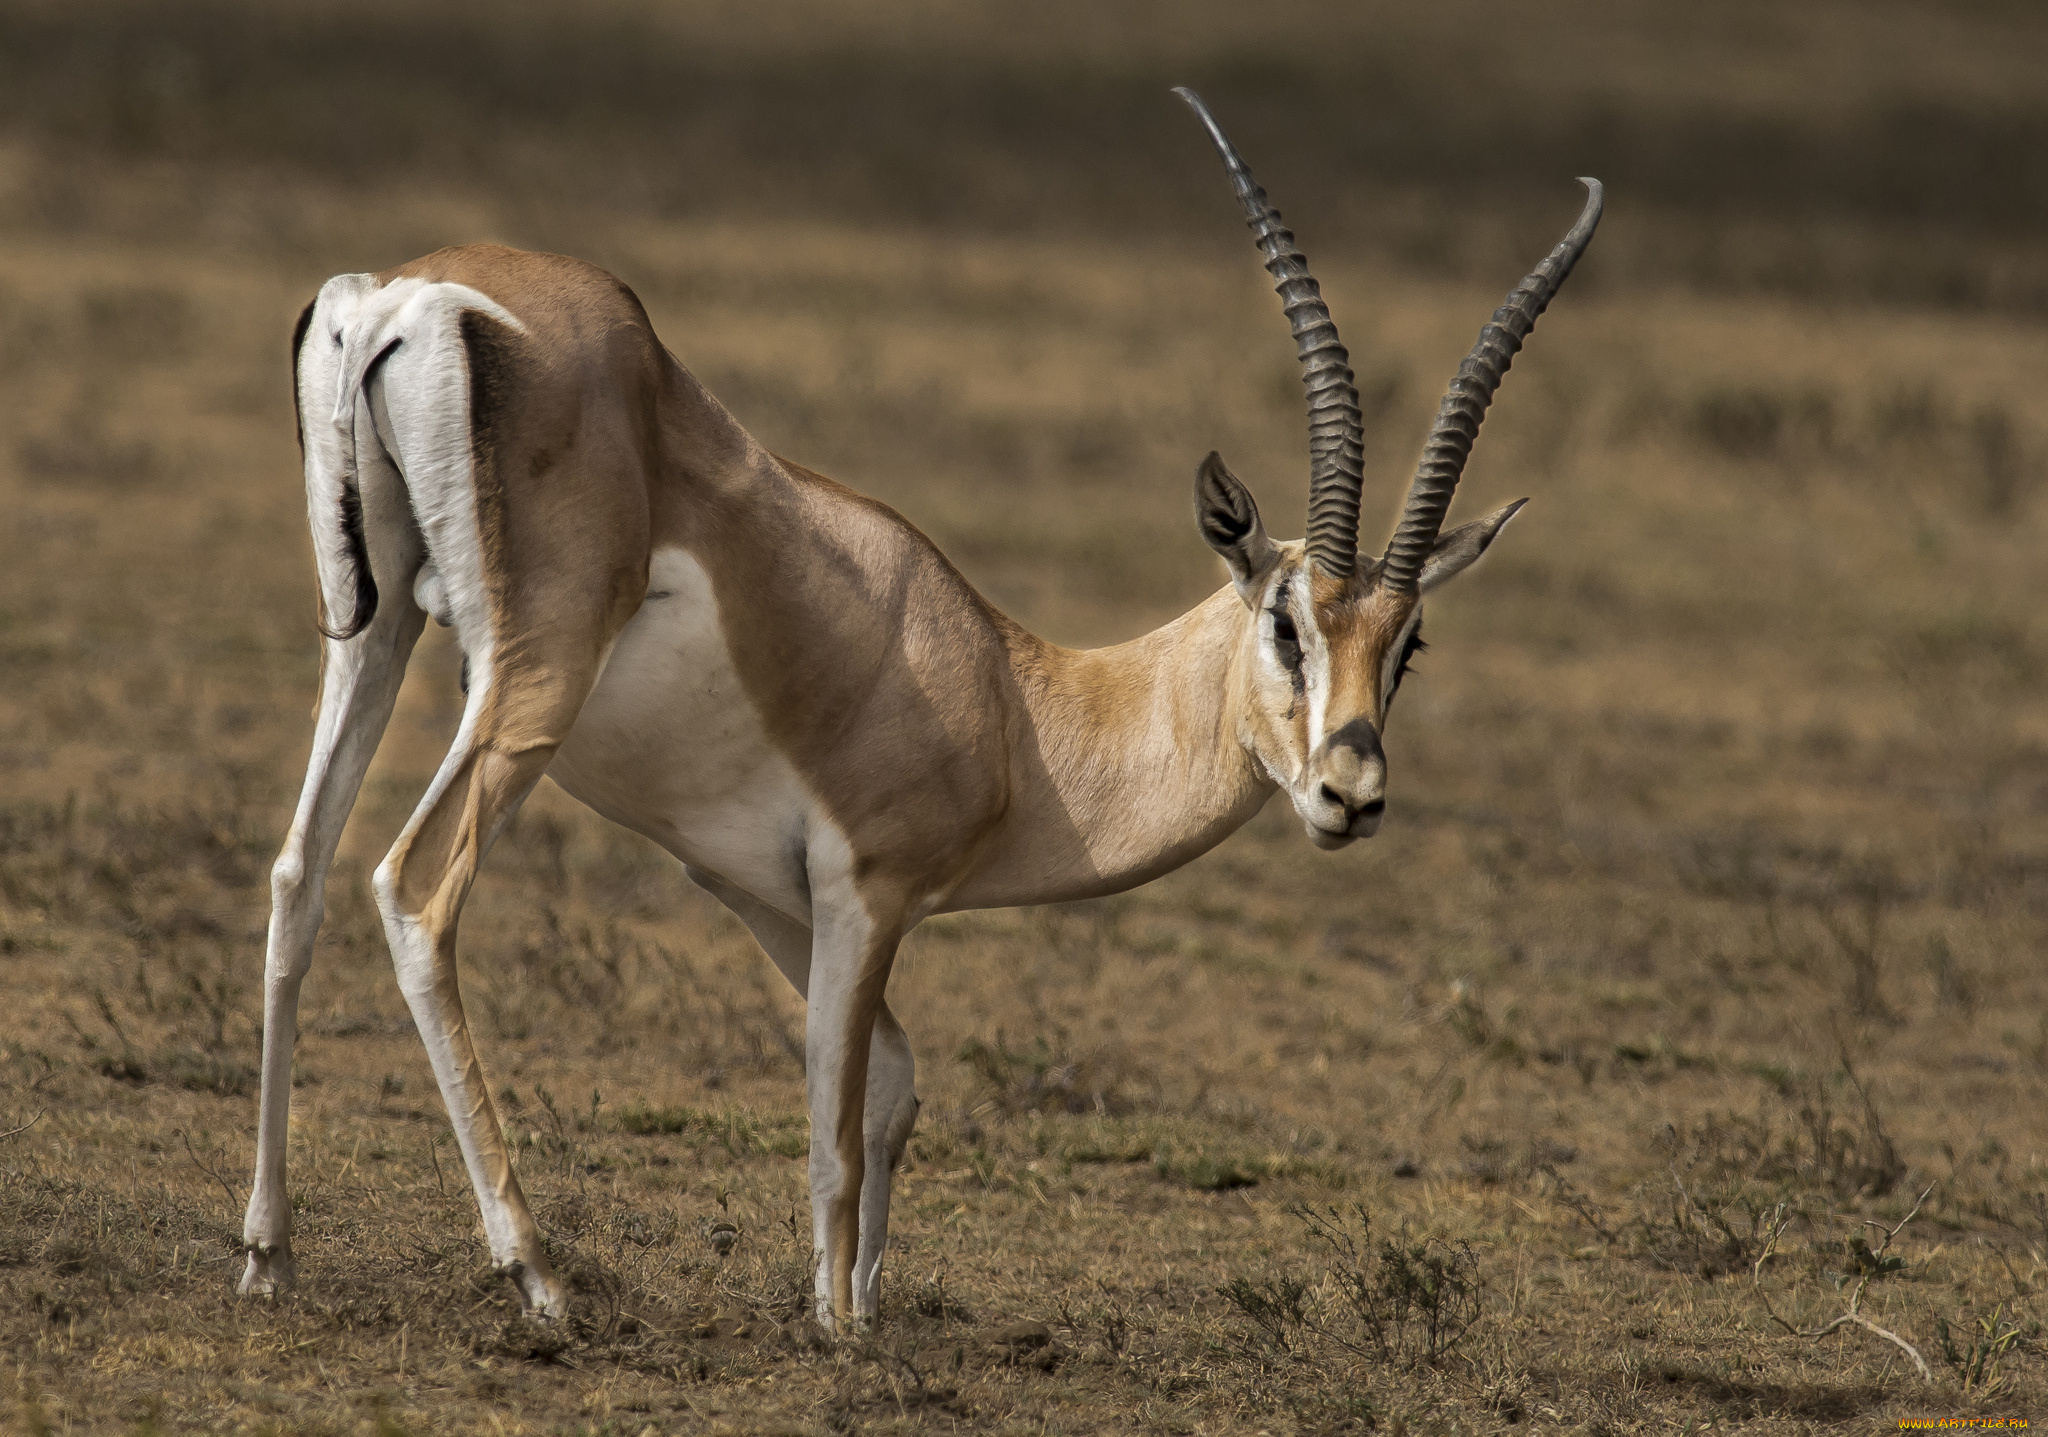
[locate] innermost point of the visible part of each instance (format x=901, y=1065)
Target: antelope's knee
x=292, y=889
x=288, y=874
x=384, y=884
x=297, y=904
x=414, y=945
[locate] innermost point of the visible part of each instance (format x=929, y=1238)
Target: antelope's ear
x=1230, y=526
x=1456, y=551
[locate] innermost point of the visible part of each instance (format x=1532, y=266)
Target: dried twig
x=888, y=1361
x=2020, y=1286
x=1872, y=1266
x=1710, y=1223
x=233, y=1199
x=1679, y=1183
x=1888, y=1335
x=24, y=1127
x=1565, y=1195
x=1779, y=1222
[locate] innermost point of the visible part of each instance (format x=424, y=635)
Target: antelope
x=785, y=685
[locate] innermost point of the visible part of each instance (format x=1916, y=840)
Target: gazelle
x=786, y=685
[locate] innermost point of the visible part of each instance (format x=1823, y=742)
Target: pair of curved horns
x=1336, y=436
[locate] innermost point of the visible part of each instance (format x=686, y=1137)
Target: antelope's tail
x=351, y=328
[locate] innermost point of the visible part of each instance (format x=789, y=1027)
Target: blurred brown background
x=1716, y=871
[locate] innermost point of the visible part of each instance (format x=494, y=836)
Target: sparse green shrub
x=132, y=863
x=1409, y=1302
x=1402, y=1301
x=193, y=1010
x=1278, y=1308
x=204, y=1072
x=1867, y=1264
x=1975, y=1351
x=1736, y=1177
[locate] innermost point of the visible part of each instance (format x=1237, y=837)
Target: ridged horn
x=1464, y=406
x=1336, y=437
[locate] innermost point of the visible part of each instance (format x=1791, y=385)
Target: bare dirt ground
x=1704, y=937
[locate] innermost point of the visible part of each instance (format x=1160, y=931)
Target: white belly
x=669, y=745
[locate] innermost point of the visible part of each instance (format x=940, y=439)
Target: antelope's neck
x=948, y=742
x=1130, y=761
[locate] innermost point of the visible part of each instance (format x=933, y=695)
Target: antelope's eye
x=1409, y=650
x=1285, y=640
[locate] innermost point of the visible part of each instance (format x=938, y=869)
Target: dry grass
x=1715, y=880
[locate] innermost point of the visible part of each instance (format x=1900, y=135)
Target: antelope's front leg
x=850, y=960
x=892, y=1076
x=891, y=1114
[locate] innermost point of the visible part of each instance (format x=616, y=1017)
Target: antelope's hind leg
x=534, y=516
x=359, y=683
x=522, y=702
x=421, y=886
x=357, y=692
x=516, y=716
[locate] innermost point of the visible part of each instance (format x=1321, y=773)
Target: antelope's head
x=1331, y=631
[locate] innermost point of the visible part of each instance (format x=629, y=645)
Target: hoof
x=270, y=1272
x=539, y=1294
x=861, y=1324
